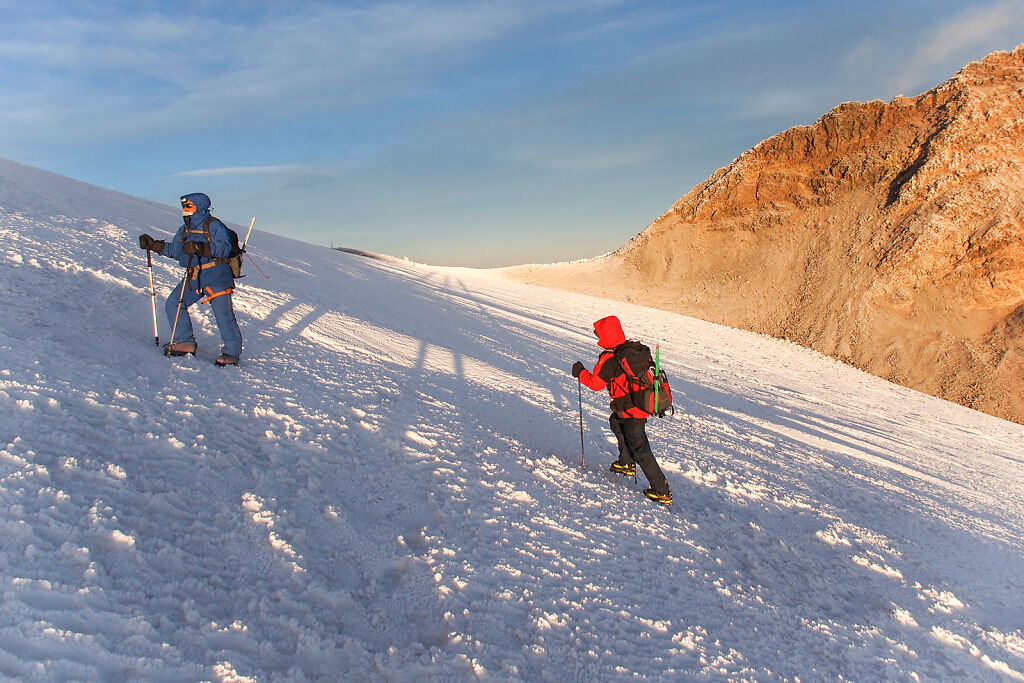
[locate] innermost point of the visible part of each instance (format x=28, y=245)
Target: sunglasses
x=187, y=204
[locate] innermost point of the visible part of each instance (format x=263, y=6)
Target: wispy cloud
x=247, y=170
x=454, y=107
x=186, y=70
x=975, y=30
x=970, y=29
x=282, y=176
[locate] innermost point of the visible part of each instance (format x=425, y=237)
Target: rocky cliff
x=889, y=235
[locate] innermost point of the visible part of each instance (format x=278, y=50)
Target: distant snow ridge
x=390, y=485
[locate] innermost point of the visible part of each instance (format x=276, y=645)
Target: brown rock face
x=890, y=236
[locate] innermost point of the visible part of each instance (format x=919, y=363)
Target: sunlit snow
x=390, y=486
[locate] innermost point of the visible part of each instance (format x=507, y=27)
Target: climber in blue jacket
x=202, y=245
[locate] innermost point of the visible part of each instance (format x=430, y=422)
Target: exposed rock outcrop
x=889, y=235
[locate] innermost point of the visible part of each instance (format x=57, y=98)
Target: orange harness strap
x=211, y=295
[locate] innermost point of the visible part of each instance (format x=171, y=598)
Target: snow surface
x=390, y=486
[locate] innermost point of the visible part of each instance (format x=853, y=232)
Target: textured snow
x=390, y=485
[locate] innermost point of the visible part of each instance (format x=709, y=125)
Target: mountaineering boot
x=181, y=348
x=226, y=359
x=663, y=498
x=629, y=470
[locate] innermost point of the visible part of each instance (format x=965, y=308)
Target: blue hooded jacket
x=218, y=277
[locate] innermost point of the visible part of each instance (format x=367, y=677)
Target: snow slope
x=390, y=486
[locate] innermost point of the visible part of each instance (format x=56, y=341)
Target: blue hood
x=202, y=203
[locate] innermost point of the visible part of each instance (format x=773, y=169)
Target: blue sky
x=461, y=133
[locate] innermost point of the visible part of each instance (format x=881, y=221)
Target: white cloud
x=246, y=170
x=968, y=30
x=279, y=176
x=962, y=38
x=171, y=69
x=865, y=55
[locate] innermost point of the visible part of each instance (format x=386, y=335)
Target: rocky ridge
x=888, y=235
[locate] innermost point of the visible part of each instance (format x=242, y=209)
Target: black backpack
x=634, y=359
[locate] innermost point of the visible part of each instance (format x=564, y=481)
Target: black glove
x=193, y=248
x=148, y=243
x=577, y=368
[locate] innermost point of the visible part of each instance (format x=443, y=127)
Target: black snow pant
x=631, y=433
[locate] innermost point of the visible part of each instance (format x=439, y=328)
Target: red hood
x=609, y=332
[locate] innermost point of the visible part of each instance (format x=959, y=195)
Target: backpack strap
x=611, y=368
x=636, y=375
x=205, y=231
x=209, y=239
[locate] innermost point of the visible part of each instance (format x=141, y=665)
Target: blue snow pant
x=223, y=313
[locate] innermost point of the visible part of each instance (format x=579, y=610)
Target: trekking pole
x=181, y=298
x=152, y=295
x=579, y=394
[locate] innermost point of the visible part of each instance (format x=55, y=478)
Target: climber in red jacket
x=628, y=423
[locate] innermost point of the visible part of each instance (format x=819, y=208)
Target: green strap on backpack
x=657, y=372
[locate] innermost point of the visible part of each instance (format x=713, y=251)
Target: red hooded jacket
x=606, y=373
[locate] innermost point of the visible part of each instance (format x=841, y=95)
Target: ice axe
x=245, y=242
